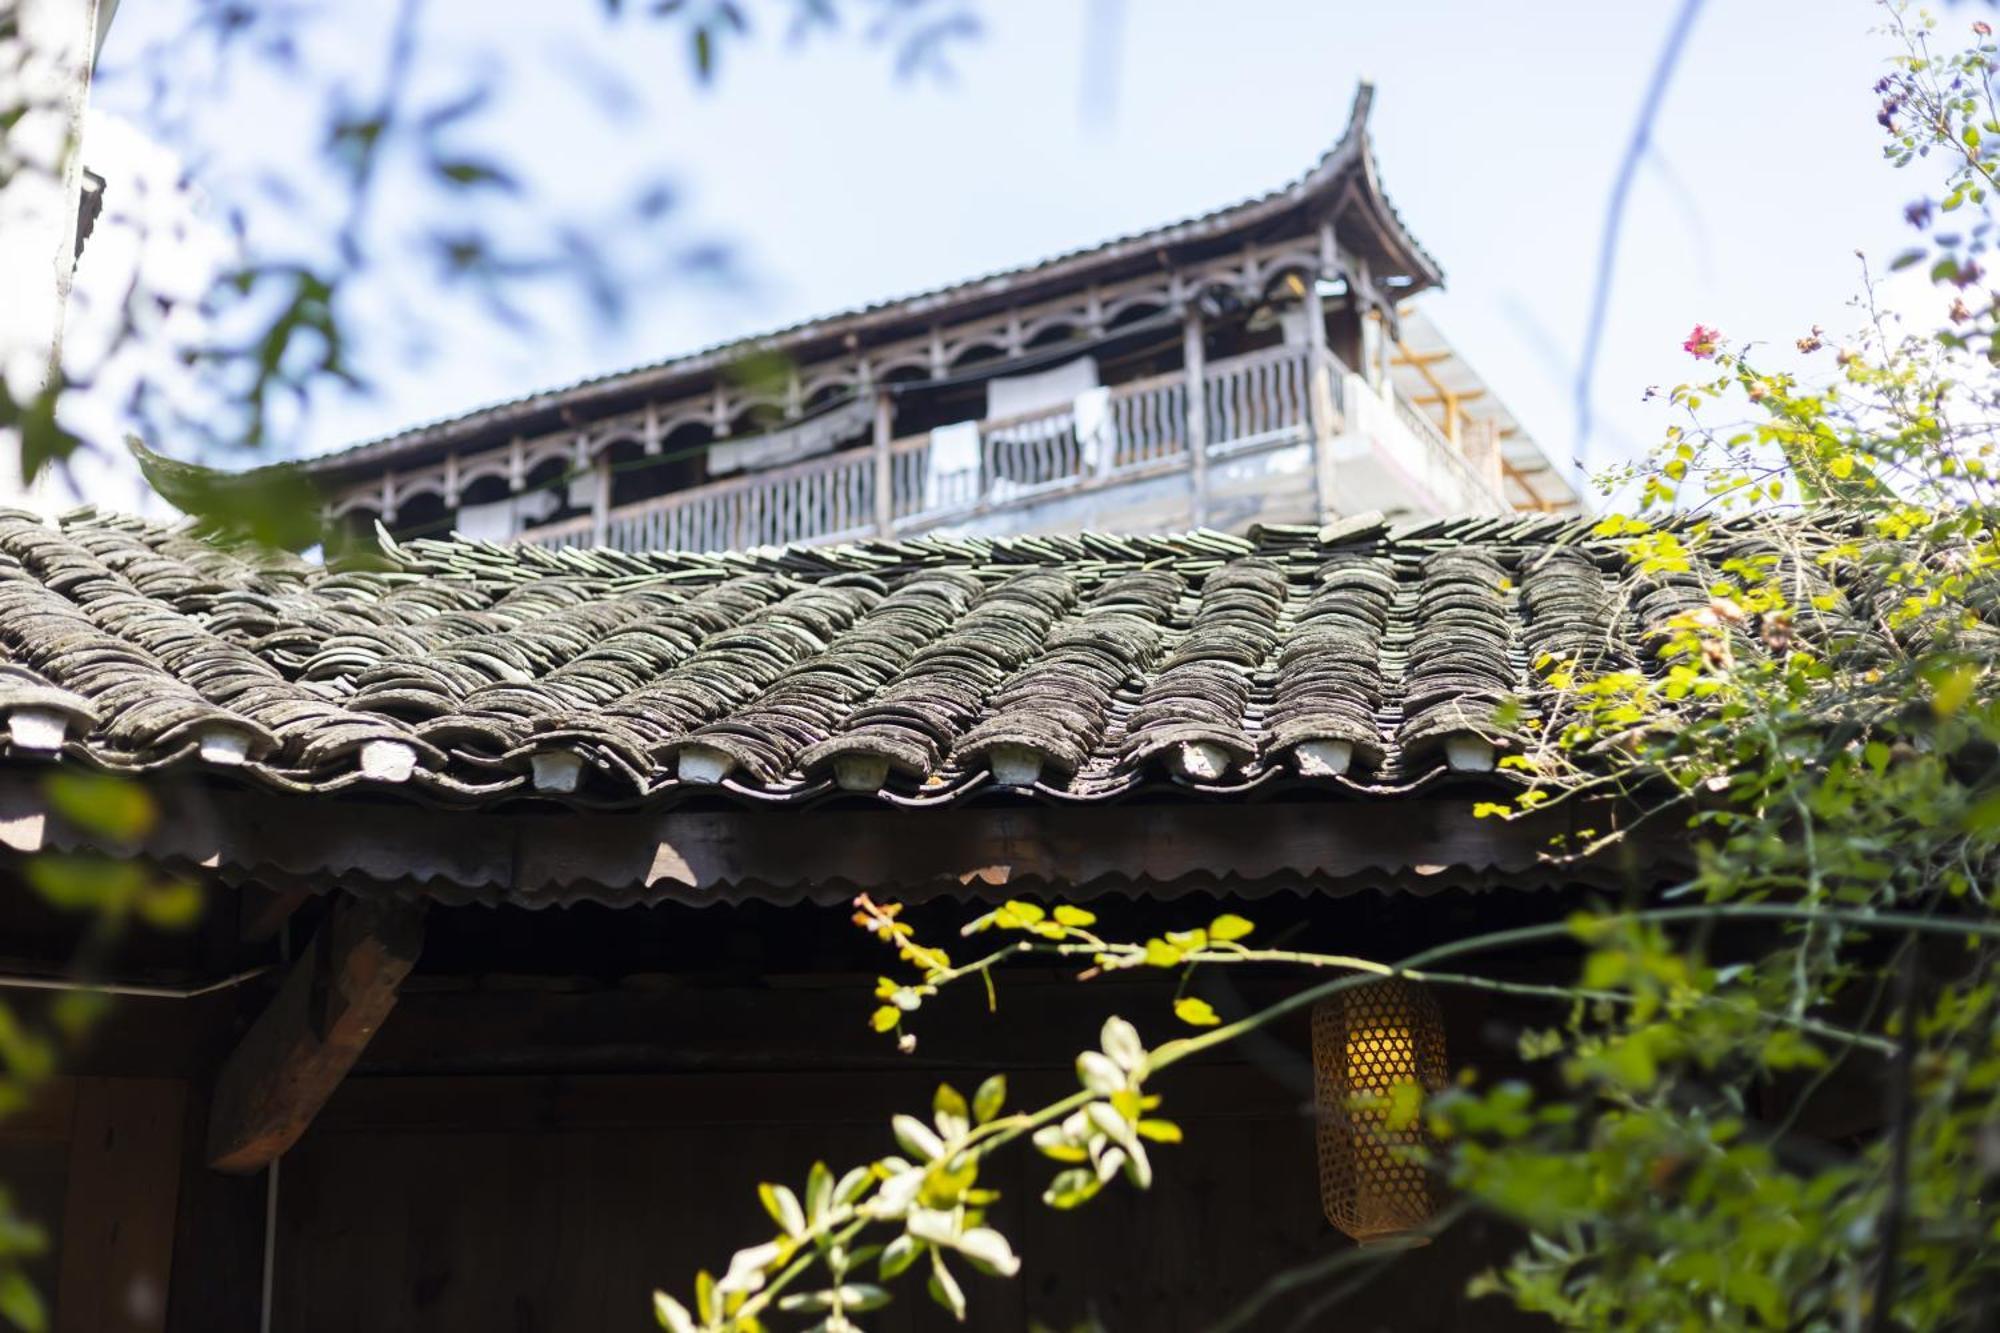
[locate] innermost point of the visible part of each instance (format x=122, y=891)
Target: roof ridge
x=1351, y=148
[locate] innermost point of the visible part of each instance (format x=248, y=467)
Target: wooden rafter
x=1445, y=396
x=296, y=1053
x=1520, y=478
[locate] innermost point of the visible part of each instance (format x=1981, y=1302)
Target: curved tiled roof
x=1352, y=155
x=1357, y=659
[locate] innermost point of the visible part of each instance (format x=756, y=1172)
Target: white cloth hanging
x=1096, y=433
x=504, y=520
x=1018, y=395
x=488, y=522
x=951, y=467
x=802, y=439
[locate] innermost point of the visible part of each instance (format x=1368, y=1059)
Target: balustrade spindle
x=1259, y=399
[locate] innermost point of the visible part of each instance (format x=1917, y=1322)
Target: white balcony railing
x=1262, y=400
x=1443, y=454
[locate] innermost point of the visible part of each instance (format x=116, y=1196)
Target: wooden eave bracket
x=332, y=1001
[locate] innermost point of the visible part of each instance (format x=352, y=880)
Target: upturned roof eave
x=1351, y=158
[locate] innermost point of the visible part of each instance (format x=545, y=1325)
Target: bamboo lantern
x=1366, y=1041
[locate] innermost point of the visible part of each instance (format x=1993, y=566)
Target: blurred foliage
x=1838, y=782
x=107, y=892
x=275, y=331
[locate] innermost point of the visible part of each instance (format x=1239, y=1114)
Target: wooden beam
x=117, y=1246
x=264, y=912
x=302, y=1045
x=1441, y=394
x=1520, y=478
x=1439, y=399
x=1406, y=357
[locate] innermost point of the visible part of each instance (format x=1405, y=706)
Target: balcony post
x=1194, y=356
x=600, y=500
x=885, y=477
x=1322, y=420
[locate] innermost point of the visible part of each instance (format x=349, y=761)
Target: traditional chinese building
x=526, y=869
x=1267, y=362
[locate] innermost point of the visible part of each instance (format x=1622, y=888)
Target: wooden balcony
x=1253, y=403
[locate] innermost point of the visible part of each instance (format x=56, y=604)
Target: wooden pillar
x=1323, y=418
x=885, y=475
x=117, y=1246
x=600, y=502
x=218, y=1240
x=1371, y=346
x=1195, y=357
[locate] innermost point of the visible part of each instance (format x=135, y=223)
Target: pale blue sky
x=1498, y=127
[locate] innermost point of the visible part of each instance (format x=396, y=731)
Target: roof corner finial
x=1364, y=98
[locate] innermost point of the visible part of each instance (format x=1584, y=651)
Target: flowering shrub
x=1821, y=722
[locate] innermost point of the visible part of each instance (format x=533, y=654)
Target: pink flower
x=1701, y=344
x=1983, y=28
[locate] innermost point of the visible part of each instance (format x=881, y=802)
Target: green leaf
x=944, y=1288
x=1121, y=1042
x=992, y=1095
x=705, y=1304
x=1229, y=926
x=1027, y=914
x=1406, y=1102
x=1196, y=1012
x=1162, y=954
x=1160, y=1131
x=885, y=1018
x=1051, y=1141
x=20, y=1304
x=948, y=1101
x=819, y=1192
x=103, y=803
x=471, y=174
x=1785, y=1048
x=1074, y=916
x=861, y=1297
x=673, y=1316
x=897, y=1256
x=989, y=1251
x=86, y=883
x=172, y=904
x=916, y=1138
x=1950, y=689
x=1098, y=1073
x=1071, y=1188
x=783, y=1206
x=276, y=506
